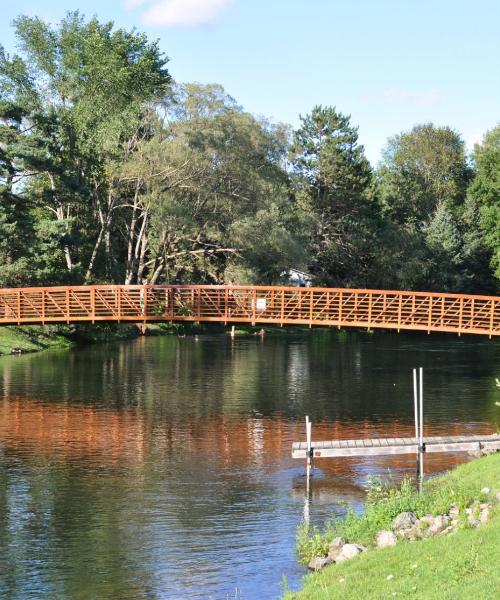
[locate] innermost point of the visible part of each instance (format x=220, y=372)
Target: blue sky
x=388, y=63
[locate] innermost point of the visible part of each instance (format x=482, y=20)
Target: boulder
x=319, y=562
x=335, y=547
x=349, y=551
x=404, y=520
x=417, y=532
x=337, y=542
x=440, y=523
x=473, y=522
x=384, y=539
x=484, y=515
x=485, y=490
x=454, y=511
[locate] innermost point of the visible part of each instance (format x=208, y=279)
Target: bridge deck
x=387, y=446
x=370, y=309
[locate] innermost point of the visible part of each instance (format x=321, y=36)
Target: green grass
x=31, y=339
x=464, y=564
x=37, y=337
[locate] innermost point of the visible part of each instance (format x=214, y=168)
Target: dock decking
x=387, y=446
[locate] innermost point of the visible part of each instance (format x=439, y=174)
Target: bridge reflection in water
x=400, y=310
x=103, y=436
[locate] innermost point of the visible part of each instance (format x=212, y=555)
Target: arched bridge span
x=386, y=309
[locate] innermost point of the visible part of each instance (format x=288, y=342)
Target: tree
x=422, y=185
x=208, y=175
x=84, y=88
x=420, y=170
x=333, y=182
x=16, y=225
x=485, y=190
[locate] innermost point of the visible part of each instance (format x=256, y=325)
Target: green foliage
x=422, y=169
x=462, y=565
x=32, y=339
x=385, y=501
x=71, y=104
x=333, y=183
x=109, y=172
x=485, y=189
x=211, y=186
x=312, y=542
x=459, y=566
x=434, y=229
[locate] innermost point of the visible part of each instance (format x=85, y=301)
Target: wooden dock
x=388, y=446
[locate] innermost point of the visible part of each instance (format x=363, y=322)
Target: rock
x=404, y=520
x=449, y=529
x=338, y=542
x=475, y=453
x=473, y=522
x=319, y=562
x=485, y=490
x=488, y=451
x=335, y=547
x=454, y=511
x=417, y=532
x=384, y=539
x=484, y=515
x=440, y=523
x=349, y=551
x=427, y=520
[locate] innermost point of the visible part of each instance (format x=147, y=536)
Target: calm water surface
x=160, y=468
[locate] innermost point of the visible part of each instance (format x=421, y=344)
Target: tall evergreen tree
x=333, y=182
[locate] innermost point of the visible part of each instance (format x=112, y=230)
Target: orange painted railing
x=253, y=304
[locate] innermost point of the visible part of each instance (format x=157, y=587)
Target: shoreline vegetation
x=26, y=339
x=448, y=549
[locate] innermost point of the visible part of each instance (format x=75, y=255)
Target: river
x=161, y=467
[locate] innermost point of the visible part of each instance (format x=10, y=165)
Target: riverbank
x=34, y=338
x=24, y=339
x=462, y=563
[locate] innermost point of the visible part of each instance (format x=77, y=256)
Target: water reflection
x=161, y=468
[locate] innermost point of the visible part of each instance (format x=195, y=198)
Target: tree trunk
x=60, y=217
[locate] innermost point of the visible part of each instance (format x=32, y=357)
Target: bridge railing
x=254, y=304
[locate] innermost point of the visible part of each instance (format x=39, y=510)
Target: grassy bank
x=18, y=340
x=463, y=564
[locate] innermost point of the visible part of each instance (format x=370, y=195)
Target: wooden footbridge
x=399, y=310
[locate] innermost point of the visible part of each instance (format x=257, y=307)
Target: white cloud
x=422, y=99
x=180, y=13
